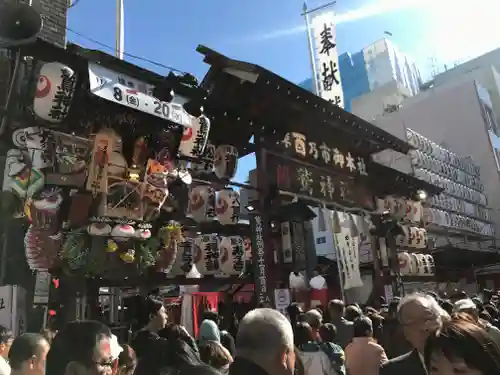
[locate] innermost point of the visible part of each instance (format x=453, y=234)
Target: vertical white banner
x=326, y=57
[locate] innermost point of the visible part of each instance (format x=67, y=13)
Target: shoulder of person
x=397, y=361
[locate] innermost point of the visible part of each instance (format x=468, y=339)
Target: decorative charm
x=194, y=139
x=228, y=206
x=128, y=256
x=54, y=92
x=225, y=162
x=123, y=232
x=111, y=246
x=38, y=145
x=42, y=249
x=97, y=181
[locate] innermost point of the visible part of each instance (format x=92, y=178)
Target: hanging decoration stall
x=112, y=168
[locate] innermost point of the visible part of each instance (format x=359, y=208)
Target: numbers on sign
x=117, y=94
x=162, y=108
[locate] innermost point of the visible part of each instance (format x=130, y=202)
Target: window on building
x=491, y=122
x=320, y=240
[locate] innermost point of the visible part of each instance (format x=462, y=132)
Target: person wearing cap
x=468, y=307
x=363, y=355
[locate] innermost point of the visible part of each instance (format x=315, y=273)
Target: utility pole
x=120, y=30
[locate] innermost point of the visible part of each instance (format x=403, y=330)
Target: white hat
x=464, y=304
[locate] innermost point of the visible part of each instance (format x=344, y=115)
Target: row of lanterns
x=451, y=220
x=451, y=187
x=448, y=202
x=400, y=208
x=427, y=146
x=421, y=160
x=416, y=264
x=207, y=205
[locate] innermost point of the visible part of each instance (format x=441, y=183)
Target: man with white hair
x=420, y=315
x=264, y=344
x=314, y=318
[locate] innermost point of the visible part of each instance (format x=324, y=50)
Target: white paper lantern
x=405, y=263
x=201, y=206
x=54, y=92
x=232, y=253
x=208, y=255
x=228, y=206
x=184, y=258
x=421, y=264
x=225, y=161
x=415, y=269
x=194, y=139
x=297, y=281
x=318, y=283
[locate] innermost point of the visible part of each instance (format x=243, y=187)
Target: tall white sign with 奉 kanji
x=326, y=57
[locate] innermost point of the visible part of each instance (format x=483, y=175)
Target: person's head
x=152, y=315
x=293, y=310
x=28, y=354
x=227, y=342
x=208, y=332
x=48, y=335
x=336, y=308
x=302, y=334
x=363, y=327
x=420, y=315
x=328, y=332
x=81, y=348
x=6, y=338
x=353, y=312
x=265, y=336
x=177, y=354
x=214, y=355
x=127, y=361
x=393, y=308
x=315, y=319
x=176, y=332
x=377, y=324
x=462, y=347
x=466, y=306
x=211, y=315
x=447, y=306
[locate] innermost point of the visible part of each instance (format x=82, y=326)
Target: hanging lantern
x=404, y=263
x=194, y=139
x=225, y=162
x=228, y=206
x=231, y=255
x=184, y=260
x=201, y=206
x=414, y=261
x=208, y=255
x=54, y=92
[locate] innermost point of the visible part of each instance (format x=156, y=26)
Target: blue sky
x=270, y=32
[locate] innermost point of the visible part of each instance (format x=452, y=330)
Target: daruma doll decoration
x=54, y=92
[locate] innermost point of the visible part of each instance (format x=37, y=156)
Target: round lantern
x=421, y=264
x=227, y=206
x=231, y=250
x=54, y=92
x=194, y=139
x=184, y=259
x=414, y=261
x=225, y=161
x=318, y=283
x=404, y=263
x=207, y=258
x=201, y=206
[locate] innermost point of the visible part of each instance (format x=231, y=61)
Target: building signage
x=321, y=153
x=326, y=57
x=111, y=86
x=260, y=268
x=306, y=180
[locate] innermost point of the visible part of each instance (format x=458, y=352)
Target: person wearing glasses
x=81, y=348
x=420, y=316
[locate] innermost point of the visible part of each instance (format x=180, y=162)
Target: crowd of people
x=419, y=334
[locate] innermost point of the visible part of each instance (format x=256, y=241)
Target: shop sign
x=318, y=183
x=321, y=153
x=105, y=84
x=260, y=267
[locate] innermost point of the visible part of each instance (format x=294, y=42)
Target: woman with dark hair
x=148, y=345
x=310, y=352
x=462, y=347
x=178, y=332
x=213, y=354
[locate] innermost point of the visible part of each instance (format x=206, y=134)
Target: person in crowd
x=344, y=327
x=353, y=312
x=421, y=316
x=363, y=355
x=81, y=347
x=209, y=331
x=314, y=319
x=150, y=348
x=294, y=310
x=178, y=354
x=127, y=361
x=311, y=353
x=28, y=354
x=178, y=332
x=377, y=325
x=447, y=306
x=393, y=339
x=197, y=370
x=214, y=355
x=48, y=334
x=264, y=344
x=6, y=338
x=461, y=347
x=328, y=334
x=226, y=339
x=469, y=307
